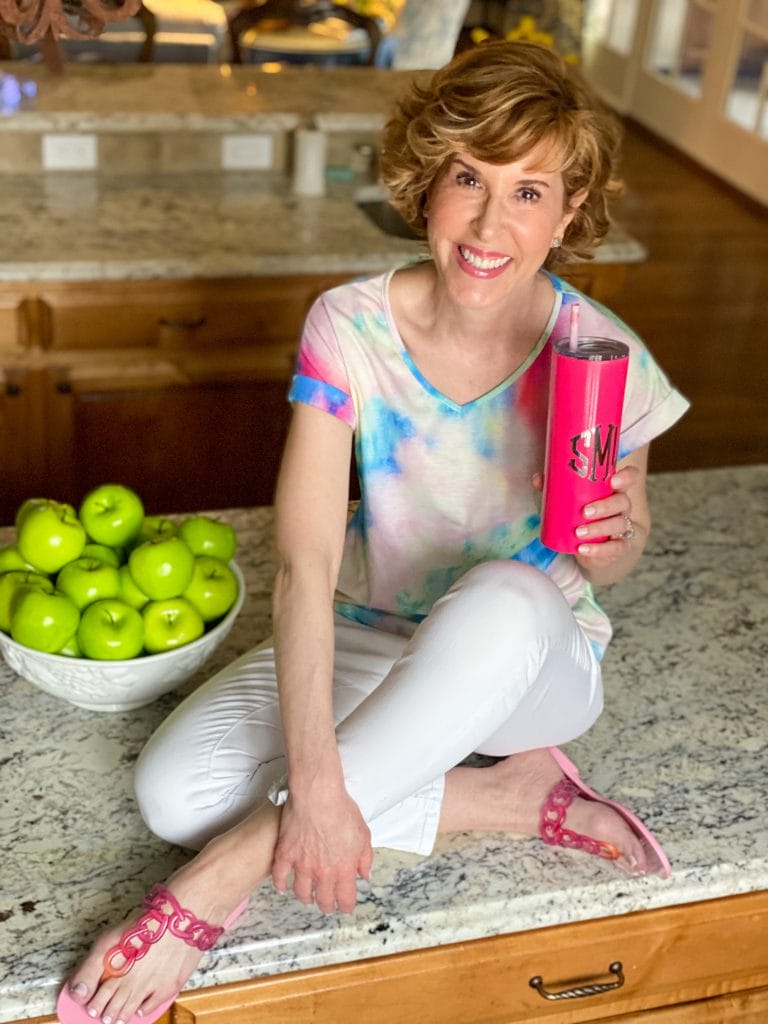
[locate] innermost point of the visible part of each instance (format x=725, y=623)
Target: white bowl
x=119, y=685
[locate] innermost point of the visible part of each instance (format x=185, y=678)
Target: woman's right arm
x=323, y=838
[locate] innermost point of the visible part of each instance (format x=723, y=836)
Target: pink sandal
x=165, y=915
x=556, y=807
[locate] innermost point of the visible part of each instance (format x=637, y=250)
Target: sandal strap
x=165, y=914
x=551, y=827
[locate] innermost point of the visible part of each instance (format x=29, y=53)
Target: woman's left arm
x=611, y=560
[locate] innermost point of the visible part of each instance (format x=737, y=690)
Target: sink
x=386, y=218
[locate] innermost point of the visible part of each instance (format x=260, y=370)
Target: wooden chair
x=277, y=14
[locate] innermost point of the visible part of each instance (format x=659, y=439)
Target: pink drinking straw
x=573, y=334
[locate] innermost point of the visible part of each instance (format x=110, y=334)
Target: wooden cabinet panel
x=203, y=313
x=16, y=318
x=21, y=439
x=184, y=444
x=176, y=388
x=671, y=956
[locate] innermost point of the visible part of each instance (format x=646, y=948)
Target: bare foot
x=159, y=975
x=528, y=778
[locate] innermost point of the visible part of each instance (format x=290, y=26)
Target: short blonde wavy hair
x=497, y=102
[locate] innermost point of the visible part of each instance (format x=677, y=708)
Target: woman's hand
x=327, y=844
x=622, y=518
x=612, y=520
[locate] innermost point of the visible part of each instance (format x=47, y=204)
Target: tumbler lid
x=594, y=349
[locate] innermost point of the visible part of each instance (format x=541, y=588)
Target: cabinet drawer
x=670, y=956
x=204, y=313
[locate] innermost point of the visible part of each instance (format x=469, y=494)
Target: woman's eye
x=529, y=195
x=467, y=179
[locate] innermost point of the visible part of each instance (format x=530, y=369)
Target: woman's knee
x=510, y=592
x=163, y=786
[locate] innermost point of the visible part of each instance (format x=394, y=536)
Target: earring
x=556, y=243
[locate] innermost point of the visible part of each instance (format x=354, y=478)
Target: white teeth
x=480, y=263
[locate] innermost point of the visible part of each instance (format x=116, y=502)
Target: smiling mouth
x=485, y=264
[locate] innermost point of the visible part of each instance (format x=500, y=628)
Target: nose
x=488, y=217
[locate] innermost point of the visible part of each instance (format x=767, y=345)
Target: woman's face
x=491, y=226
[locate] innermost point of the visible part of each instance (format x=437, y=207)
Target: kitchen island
x=158, y=295
x=456, y=937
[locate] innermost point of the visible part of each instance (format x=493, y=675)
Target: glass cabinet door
x=693, y=71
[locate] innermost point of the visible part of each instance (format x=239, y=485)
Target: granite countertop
x=64, y=227
x=172, y=97
x=683, y=741
x=205, y=222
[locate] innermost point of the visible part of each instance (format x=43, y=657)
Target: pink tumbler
x=586, y=395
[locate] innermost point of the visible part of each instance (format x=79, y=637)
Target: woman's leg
x=499, y=661
x=216, y=757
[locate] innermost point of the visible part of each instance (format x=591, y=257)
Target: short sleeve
x=651, y=404
x=320, y=378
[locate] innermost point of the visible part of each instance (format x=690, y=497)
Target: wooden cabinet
x=699, y=963
x=176, y=388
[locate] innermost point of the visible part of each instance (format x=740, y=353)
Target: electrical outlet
x=247, y=152
x=70, y=152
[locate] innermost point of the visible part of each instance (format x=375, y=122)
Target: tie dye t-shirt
x=444, y=486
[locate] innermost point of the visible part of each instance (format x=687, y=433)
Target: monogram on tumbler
x=586, y=396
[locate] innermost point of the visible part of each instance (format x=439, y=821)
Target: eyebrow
x=522, y=181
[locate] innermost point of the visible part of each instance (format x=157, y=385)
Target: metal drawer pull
x=581, y=990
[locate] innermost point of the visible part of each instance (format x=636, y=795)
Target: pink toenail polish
x=79, y=989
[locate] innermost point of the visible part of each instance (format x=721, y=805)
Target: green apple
x=170, y=624
x=110, y=630
x=112, y=514
x=213, y=588
x=71, y=648
x=87, y=580
x=206, y=536
x=129, y=592
x=44, y=622
x=50, y=535
x=10, y=559
x=162, y=568
x=112, y=556
x=13, y=582
x=27, y=506
x=155, y=527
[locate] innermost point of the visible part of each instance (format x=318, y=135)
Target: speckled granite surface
x=167, y=97
x=160, y=223
x=60, y=227
x=683, y=740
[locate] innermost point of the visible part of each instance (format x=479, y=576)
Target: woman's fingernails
x=581, y=531
x=80, y=989
x=584, y=549
x=589, y=511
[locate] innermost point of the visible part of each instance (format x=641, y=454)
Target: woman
x=434, y=623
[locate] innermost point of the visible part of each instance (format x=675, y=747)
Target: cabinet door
x=21, y=440
x=184, y=441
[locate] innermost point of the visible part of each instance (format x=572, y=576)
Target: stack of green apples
x=109, y=583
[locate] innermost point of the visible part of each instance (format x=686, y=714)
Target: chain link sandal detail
x=165, y=914
x=555, y=808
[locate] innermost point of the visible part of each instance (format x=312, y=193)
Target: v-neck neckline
x=487, y=396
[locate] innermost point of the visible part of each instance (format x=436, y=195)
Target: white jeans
x=499, y=666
